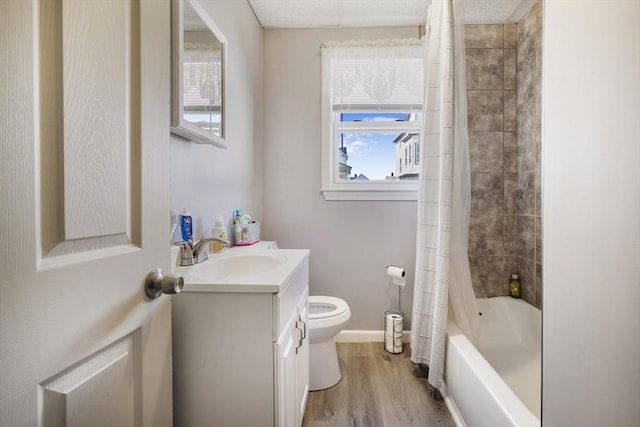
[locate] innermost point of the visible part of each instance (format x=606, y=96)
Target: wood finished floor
x=377, y=389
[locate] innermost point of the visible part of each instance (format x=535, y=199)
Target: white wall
x=591, y=214
x=207, y=179
x=351, y=242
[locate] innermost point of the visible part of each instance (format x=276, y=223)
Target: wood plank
x=377, y=389
x=363, y=400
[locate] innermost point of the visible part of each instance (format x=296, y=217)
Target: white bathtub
x=498, y=383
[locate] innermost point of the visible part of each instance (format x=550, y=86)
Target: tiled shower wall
x=529, y=64
x=503, y=89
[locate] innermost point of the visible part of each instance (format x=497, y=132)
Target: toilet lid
x=321, y=307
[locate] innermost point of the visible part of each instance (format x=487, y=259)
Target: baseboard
x=354, y=335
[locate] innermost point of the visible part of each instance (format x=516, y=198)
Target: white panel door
x=84, y=210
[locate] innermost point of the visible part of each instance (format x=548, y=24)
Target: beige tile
x=510, y=235
x=527, y=136
x=485, y=69
x=527, y=280
x=476, y=280
x=486, y=235
x=485, y=110
x=526, y=196
x=526, y=237
x=510, y=267
x=510, y=151
x=486, y=193
x=487, y=273
x=526, y=75
x=484, y=36
x=538, y=239
x=510, y=69
x=486, y=151
x=510, y=193
x=538, y=189
x=510, y=118
x=530, y=24
x=539, y=287
x=510, y=36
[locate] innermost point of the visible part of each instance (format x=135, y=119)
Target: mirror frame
x=179, y=126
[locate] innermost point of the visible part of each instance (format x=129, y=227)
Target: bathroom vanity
x=240, y=340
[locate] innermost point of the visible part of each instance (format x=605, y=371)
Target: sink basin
x=237, y=266
x=243, y=270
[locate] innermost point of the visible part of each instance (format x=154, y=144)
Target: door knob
x=158, y=283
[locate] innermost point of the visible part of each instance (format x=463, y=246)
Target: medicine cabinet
x=198, y=75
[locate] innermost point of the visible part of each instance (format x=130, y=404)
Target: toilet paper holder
x=396, y=277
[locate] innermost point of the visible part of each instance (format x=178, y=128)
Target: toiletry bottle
x=219, y=230
x=176, y=234
x=237, y=229
x=237, y=216
x=186, y=225
x=515, y=288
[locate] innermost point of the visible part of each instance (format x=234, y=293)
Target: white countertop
x=274, y=280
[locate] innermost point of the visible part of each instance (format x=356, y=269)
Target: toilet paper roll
x=393, y=348
x=396, y=274
x=393, y=345
x=394, y=324
x=397, y=342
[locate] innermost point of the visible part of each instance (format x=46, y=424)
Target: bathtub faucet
x=193, y=253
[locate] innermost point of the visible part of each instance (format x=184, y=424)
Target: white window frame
x=336, y=189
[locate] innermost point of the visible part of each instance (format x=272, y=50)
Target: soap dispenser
x=219, y=230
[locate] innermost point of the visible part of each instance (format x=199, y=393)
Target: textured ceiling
x=375, y=13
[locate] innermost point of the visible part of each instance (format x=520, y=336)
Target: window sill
x=370, y=194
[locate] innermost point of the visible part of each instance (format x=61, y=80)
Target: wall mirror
x=198, y=75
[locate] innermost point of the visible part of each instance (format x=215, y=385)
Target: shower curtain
x=442, y=265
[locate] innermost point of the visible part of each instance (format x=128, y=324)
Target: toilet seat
x=323, y=307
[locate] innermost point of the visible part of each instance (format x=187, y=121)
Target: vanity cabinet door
x=292, y=366
x=302, y=358
x=286, y=366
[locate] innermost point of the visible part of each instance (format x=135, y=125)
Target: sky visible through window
x=372, y=153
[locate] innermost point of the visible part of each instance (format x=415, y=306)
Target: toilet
x=327, y=317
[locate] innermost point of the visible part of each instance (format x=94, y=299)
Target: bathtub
x=498, y=383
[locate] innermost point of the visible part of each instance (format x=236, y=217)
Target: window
x=367, y=144
x=372, y=113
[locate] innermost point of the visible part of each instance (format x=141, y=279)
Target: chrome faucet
x=193, y=253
